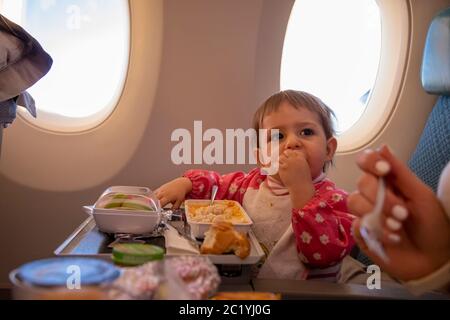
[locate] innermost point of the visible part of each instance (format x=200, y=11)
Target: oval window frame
x=95, y=156
x=389, y=81
x=59, y=124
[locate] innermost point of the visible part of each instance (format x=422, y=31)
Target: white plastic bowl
x=198, y=229
x=126, y=221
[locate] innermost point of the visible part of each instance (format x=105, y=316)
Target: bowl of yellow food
x=200, y=215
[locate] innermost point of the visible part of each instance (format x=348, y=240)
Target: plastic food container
x=64, y=279
x=134, y=254
x=198, y=228
x=126, y=209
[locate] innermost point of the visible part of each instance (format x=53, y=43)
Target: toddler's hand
x=294, y=169
x=295, y=174
x=174, y=192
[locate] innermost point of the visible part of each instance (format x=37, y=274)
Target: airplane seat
x=433, y=150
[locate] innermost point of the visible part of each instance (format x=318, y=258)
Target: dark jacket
x=22, y=63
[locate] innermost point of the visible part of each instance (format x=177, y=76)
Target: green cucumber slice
x=136, y=253
x=137, y=206
x=120, y=196
x=112, y=205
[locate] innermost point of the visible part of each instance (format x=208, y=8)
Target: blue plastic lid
x=58, y=271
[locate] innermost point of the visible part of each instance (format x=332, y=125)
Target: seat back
x=433, y=150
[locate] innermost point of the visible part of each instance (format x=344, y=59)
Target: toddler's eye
x=306, y=132
x=276, y=136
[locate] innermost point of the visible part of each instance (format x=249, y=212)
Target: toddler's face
x=300, y=129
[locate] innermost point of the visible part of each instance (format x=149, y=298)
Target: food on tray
x=200, y=215
x=126, y=211
x=198, y=273
x=133, y=254
x=222, y=211
x=222, y=238
x=126, y=202
x=246, y=296
x=136, y=283
x=198, y=276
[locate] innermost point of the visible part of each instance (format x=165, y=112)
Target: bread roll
x=222, y=238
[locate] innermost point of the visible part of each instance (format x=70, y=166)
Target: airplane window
x=89, y=43
x=332, y=49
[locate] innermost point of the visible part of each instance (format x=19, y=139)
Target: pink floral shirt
x=322, y=227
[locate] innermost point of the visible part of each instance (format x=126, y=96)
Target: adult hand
x=416, y=229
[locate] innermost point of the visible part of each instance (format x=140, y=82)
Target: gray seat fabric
x=433, y=150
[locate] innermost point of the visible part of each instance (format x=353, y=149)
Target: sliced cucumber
x=137, y=206
x=136, y=253
x=120, y=196
x=112, y=205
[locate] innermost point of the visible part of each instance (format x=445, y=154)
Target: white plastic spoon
x=213, y=194
x=371, y=228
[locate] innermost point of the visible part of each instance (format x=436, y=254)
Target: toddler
x=299, y=216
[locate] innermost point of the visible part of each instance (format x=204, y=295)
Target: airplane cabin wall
x=219, y=60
